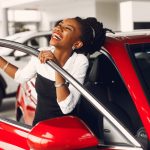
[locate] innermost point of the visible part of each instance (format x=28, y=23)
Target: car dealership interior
x=78, y=83
x=118, y=15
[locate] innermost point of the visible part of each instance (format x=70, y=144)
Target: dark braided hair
x=93, y=35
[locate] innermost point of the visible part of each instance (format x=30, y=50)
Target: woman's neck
x=62, y=56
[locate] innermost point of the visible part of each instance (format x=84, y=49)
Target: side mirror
x=63, y=133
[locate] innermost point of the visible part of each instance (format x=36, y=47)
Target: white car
x=34, y=39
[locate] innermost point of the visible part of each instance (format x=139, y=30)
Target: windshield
x=140, y=54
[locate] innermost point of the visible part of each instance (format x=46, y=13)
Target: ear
x=78, y=44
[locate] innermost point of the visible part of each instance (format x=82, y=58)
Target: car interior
x=105, y=83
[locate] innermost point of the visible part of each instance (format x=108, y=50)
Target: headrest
x=102, y=70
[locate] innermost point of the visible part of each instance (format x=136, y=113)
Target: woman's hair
x=93, y=35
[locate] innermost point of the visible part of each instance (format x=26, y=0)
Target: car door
x=46, y=135
x=106, y=84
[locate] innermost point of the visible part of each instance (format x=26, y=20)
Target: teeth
x=56, y=36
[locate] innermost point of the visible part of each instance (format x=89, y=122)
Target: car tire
x=3, y=86
x=19, y=115
x=1, y=96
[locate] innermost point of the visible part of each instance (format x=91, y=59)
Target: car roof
x=116, y=43
x=135, y=34
x=23, y=36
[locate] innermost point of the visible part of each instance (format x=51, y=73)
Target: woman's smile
x=57, y=36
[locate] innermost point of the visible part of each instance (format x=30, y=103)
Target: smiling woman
x=71, y=39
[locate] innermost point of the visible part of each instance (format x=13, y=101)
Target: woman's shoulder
x=81, y=59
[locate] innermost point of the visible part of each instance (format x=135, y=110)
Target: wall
x=52, y=12
x=27, y=17
x=126, y=16
x=133, y=11
x=108, y=13
x=66, y=10
x=141, y=11
x=24, y=16
x=75, y=8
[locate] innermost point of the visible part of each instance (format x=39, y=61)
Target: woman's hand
x=46, y=55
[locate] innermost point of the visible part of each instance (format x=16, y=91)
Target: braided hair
x=93, y=35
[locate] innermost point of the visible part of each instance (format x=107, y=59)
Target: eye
x=68, y=28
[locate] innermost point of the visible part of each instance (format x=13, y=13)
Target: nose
x=57, y=28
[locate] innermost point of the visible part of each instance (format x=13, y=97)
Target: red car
x=113, y=111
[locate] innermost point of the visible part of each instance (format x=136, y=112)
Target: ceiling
x=47, y=4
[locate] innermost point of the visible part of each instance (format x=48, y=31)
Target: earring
x=73, y=47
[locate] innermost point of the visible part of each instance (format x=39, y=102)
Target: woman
x=70, y=37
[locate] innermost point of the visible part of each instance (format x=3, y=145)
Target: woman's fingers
x=41, y=56
x=45, y=56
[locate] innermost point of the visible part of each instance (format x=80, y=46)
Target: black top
x=47, y=106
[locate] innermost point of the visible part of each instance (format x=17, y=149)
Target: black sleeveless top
x=47, y=106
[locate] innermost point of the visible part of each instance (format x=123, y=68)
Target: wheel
x=19, y=115
x=3, y=86
x=1, y=96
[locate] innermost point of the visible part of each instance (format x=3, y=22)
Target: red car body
x=48, y=134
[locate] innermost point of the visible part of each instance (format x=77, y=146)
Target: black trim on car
x=130, y=48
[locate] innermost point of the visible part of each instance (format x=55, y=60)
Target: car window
x=105, y=83
x=140, y=54
x=37, y=42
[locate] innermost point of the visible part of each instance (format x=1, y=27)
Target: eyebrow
x=68, y=25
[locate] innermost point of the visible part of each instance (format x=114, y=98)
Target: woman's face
x=65, y=34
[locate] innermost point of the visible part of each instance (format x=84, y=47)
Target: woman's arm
x=62, y=90
x=7, y=67
x=19, y=75
x=80, y=67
